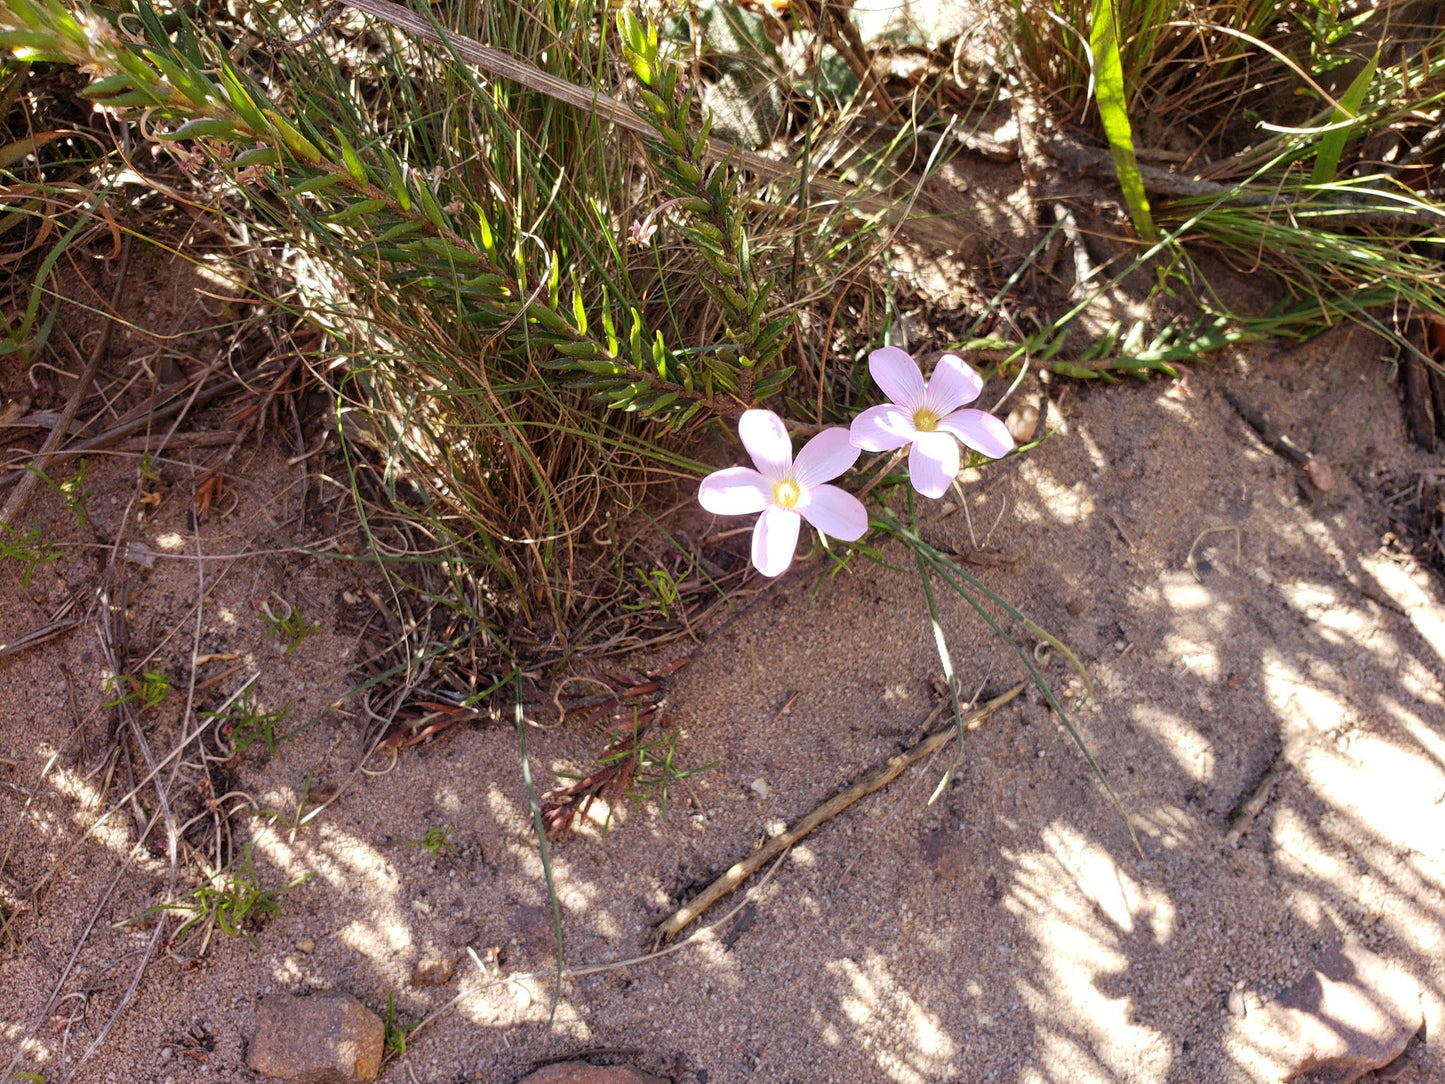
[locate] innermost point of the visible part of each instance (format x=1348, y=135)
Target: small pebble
x=307, y=945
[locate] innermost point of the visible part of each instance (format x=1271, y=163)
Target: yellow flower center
x=786, y=493
x=924, y=420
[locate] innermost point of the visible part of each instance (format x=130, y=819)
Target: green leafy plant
x=657, y=770
x=435, y=841
x=73, y=491
x=30, y=549
x=243, y=724
x=527, y=350
x=662, y=592
x=298, y=818
x=396, y=1033
x=289, y=627
x=234, y=902
x=148, y=690
x=638, y=763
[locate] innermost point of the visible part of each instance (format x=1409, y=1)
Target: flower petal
x=899, y=377
x=981, y=431
x=835, y=512
x=774, y=540
x=933, y=463
x=824, y=457
x=736, y=491
x=952, y=384
x=881, y=428
x=766, y=438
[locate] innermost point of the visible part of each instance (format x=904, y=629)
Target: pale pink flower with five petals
x=786, y=490
x=928, y=416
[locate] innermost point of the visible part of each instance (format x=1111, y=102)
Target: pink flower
x=786, y=490
x=928, y=417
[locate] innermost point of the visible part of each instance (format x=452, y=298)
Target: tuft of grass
x=515, y=353
x=148, y=690
x=435, y=841
x=396, y=1033
x=235, y=902
x=243, y=724
x=29, y=549
x=287, y=627
x=1309, y=151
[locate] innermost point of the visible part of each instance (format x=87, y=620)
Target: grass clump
x=1297, y=137
x=243, y=724
x=289, y=626
x=27, y=548
x=436, y=841
x=234, y=901
x=148, y=690
x=395, y=1033
x=538, y=288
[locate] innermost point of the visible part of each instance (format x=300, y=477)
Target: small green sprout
x=28, y=548
x=244, y=724
x=662, y=589
x=73, y=491
x=149, y=689
x=396, y=1034
x=297, y=820
x=290, y=627
x=435, y=841
x=232, y=901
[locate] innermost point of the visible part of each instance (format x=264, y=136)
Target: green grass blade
x=1332, y=145
x=1114, y=112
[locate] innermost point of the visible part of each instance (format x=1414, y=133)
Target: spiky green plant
x=514, y=347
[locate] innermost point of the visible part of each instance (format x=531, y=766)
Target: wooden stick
x=874, y=779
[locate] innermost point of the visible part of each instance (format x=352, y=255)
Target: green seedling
x=147, y=468
x=662, y=587
x=300, y=817
x=234, y=901
x=656, y=770
x=148, y=690
x=632, y=768
x=244, y=724
x=29, y=1078
x=435, y=841
x=290, y=628
x=73, y=491
x=28, y=548
x=394, y=1041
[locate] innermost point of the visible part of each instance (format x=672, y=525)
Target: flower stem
x=892, y=462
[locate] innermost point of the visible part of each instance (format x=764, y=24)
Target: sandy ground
x=1237, y=629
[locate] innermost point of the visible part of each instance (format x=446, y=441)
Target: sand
x=1239, y=629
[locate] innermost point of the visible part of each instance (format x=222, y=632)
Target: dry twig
x=874, y=779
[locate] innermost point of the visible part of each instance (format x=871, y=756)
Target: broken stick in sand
x=876, y=778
